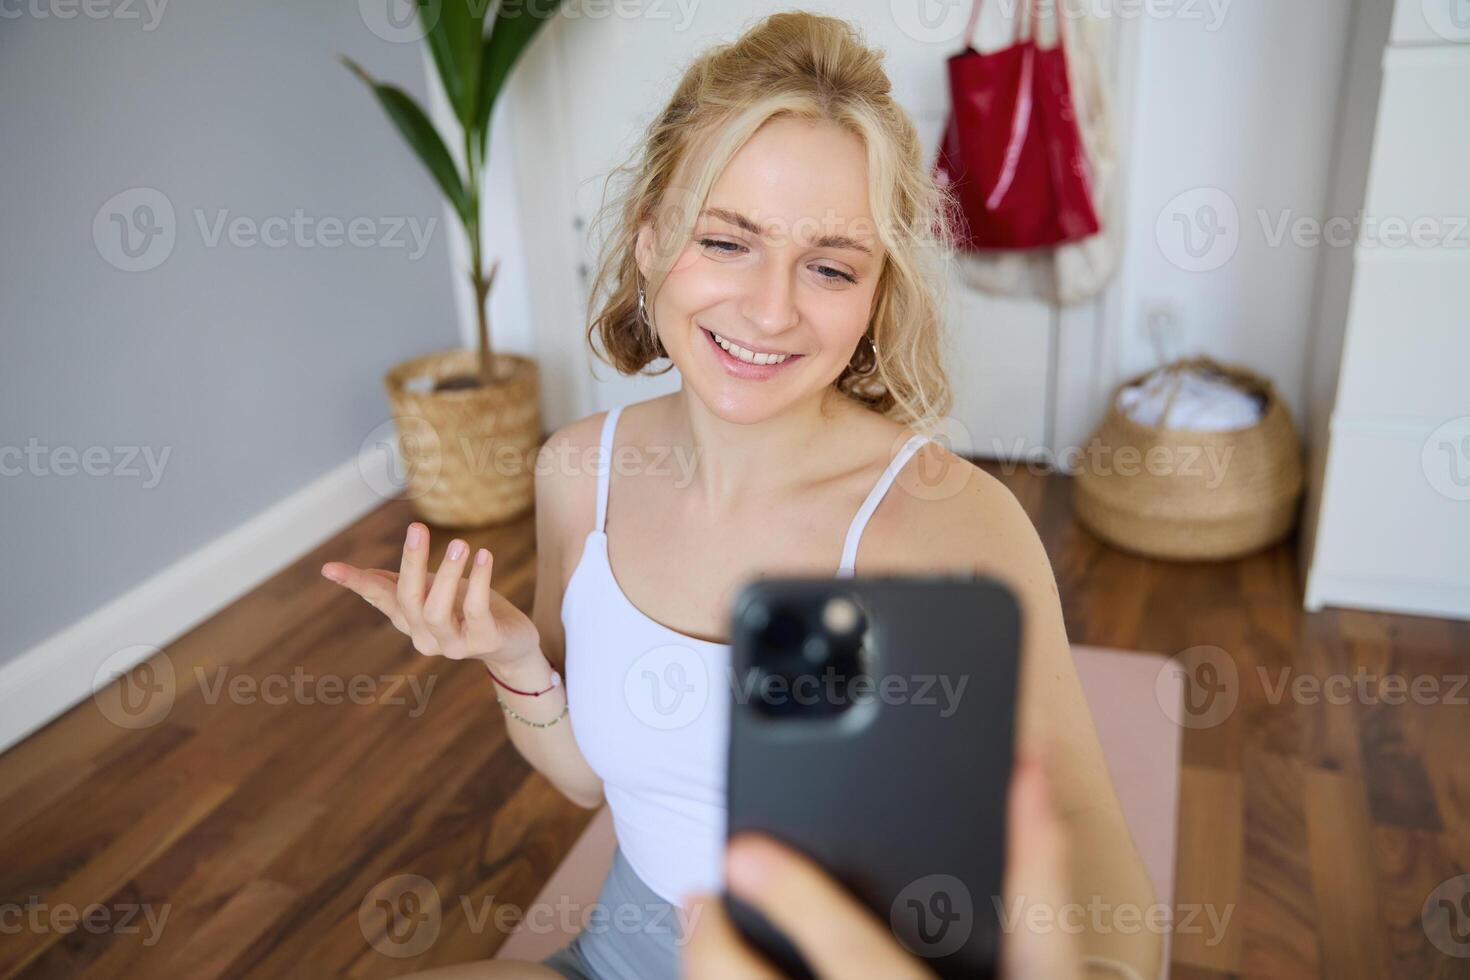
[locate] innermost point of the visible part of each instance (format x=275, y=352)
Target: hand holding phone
x=872, y=731
x=840, y=938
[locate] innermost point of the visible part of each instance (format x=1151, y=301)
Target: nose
x=770, y=301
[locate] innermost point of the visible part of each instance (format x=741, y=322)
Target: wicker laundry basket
x=1187, y=495
x=469, y=452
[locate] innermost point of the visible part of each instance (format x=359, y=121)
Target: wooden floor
x=261, y=818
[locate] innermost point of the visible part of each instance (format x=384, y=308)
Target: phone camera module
x=806, y=654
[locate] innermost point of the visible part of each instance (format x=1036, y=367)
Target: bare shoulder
x=945, y=514
x=566, y=477
x=566, y=469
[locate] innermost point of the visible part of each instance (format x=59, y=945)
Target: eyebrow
x=826, y=241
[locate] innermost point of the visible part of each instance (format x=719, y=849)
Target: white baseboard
x=46, y=680
x=1447, y=600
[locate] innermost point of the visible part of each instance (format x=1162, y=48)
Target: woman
x=778, y=243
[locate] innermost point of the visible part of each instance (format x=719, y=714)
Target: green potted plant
x=469, y=422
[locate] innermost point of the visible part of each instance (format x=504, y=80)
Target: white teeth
x=749, y=357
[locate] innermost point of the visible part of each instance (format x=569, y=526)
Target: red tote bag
x=1011, y=152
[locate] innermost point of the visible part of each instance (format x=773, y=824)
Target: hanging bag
x=1011, y=151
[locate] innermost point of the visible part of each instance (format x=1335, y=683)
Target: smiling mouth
x=746, y=355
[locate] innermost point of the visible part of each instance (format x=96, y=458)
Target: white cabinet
x=1389, y=515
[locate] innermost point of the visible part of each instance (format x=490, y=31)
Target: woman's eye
x=835, y=275
x=720, y=245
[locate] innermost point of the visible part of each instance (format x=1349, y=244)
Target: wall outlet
x=1163, y=327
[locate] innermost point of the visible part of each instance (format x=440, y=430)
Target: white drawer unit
x=1392, y=503
x=1421, y=149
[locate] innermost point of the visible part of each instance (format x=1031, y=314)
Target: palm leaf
x=455, y=28
x=510, y=35
x=422, y=136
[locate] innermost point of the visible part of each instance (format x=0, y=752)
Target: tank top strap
x=604, y=464
x=860, y=520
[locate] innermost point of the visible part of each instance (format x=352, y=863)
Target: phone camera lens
x=807, y=653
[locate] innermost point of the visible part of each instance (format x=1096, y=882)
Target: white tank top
x=649, y=707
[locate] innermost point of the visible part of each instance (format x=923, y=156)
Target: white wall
x=1242, y=119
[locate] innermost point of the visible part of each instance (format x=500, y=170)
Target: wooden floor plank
x=1345, y=893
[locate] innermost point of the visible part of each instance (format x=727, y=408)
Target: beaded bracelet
x=526, y=721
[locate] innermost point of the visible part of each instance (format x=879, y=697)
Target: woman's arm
x=552, y=750
x=978, y=526
x=1053, y=715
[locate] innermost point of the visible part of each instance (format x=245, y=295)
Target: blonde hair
x=811, y=67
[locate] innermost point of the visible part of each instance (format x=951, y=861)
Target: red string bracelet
x=555, y=683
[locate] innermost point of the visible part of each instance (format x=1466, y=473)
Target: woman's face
x=784, y=261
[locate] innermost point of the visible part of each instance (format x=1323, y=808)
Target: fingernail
x=415, y=536
x=482, y=556
x=331, y=574
x=456, y=551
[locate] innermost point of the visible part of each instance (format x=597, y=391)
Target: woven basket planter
x=469, y=453
x=1189, y=495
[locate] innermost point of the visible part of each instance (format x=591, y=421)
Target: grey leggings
x=630, y=934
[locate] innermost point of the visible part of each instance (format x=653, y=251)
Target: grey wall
x=256, y=368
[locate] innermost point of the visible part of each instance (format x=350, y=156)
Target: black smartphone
x=871, y=728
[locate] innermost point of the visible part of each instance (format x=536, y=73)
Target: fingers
x=714, y=950
x=838, y=936
x=479, y=624
x=1036, y=876
x=440, y=613
x=412, y=572
x=373, y=584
